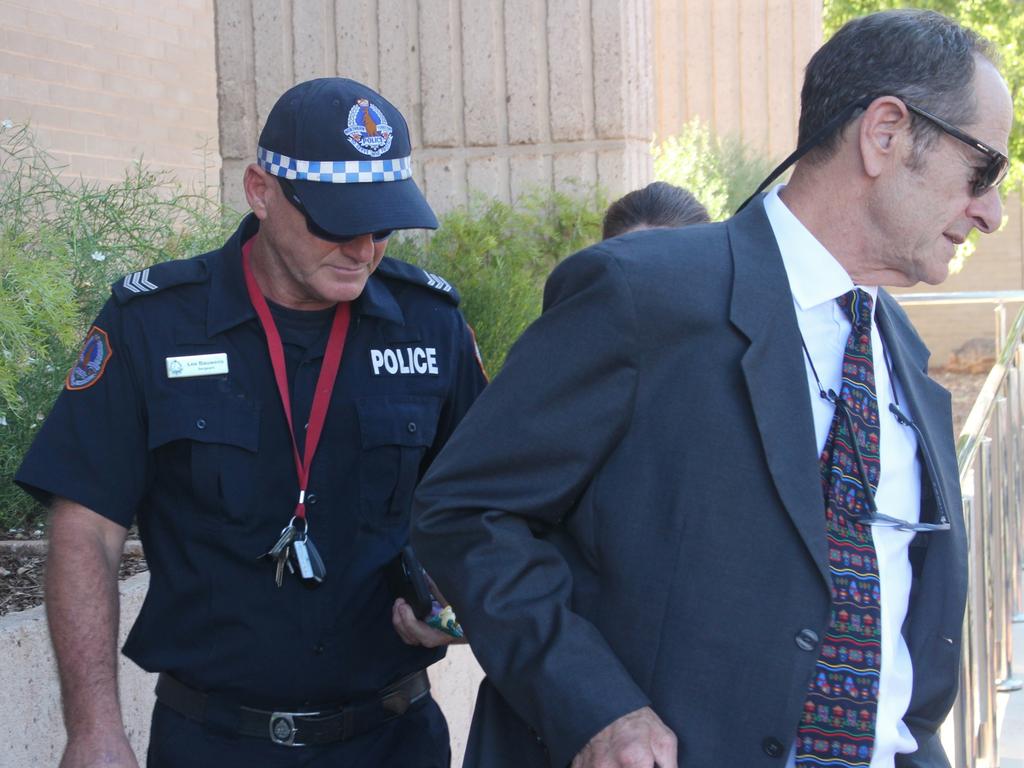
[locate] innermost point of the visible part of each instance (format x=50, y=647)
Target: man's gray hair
x=921, y=57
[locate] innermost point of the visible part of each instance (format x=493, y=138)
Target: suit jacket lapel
x=762, y=309
x=930, y=407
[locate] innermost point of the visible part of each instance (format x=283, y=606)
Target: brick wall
x=105, y=82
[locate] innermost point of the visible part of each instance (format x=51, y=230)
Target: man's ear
x=257, y=183
x=884, y=134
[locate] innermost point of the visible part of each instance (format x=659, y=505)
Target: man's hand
x=636, y=740
x=108, y=749
x=416, y=632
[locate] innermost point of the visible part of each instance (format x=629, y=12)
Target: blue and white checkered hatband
x=335, y=171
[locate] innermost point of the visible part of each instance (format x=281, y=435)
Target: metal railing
x=999, y=298
x=990, y=456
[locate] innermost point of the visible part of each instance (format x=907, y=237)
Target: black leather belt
x=294, y=729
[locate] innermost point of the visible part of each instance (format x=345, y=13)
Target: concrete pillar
x=503, y=97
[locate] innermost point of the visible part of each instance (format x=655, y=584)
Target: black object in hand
x=407, y=580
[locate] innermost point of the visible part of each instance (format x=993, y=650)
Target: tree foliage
x=721, y=172
x=1001, y=21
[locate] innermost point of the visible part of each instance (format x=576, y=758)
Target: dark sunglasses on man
x=315, y=229
x=985, y=178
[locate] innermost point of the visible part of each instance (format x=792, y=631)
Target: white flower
x=7, y=124
x=3, y=420
x=98, y=256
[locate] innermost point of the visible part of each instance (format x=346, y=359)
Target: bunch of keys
x=295, y=550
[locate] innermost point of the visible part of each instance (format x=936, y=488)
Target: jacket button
x=807, y=639
x=200, y=423
x=772, y=747
x=411, y=426
x=311, y=499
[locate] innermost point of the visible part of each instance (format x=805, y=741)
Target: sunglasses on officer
x=985, y=178
x=315, y=229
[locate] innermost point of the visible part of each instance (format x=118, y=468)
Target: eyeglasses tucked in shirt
x=874, y=517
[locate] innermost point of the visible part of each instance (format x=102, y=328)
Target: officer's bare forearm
x=82, y=608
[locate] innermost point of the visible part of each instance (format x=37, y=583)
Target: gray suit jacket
x=632, y=513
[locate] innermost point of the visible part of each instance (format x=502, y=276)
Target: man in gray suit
x=708, y=514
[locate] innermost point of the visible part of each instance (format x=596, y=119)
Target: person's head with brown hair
x=657, y=205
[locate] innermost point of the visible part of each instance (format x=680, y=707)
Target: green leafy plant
x=62, y=243
x=721, y=172
x=499, y=255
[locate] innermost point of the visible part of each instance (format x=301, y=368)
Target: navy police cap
x=346, y=150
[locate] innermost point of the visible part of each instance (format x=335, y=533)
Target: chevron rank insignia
x=401, y=270
x=139, y=282
x=158, y=278
x=437, y=282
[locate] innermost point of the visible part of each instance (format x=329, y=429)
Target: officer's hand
x=108, y=749
x=416, y=632
x=636, y=740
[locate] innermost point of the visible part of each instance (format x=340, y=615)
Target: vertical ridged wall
x=502, y=96
x=737, y=65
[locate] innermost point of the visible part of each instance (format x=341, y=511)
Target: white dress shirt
x=816, y=279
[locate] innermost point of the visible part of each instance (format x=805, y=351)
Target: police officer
x=263, y=413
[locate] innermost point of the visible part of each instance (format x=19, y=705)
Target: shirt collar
x=229, y=303
x=815, y=277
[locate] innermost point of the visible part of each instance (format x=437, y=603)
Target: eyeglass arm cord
x=904, y=420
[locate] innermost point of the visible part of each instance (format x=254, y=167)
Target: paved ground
x=1011, y=732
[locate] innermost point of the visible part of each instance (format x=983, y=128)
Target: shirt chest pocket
x=395, y=433
x=208, y=446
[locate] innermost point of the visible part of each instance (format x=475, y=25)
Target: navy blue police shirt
x=204, y=464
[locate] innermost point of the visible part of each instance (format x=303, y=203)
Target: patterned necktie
x=837, y=727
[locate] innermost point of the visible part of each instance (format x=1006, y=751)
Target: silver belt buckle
x=282, y=729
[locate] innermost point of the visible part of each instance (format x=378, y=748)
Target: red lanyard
x=324, y=382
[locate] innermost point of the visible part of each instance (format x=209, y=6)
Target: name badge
x=197, y=365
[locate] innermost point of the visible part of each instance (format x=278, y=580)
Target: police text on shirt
x=404, y=360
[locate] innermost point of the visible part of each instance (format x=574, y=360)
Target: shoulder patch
x=476, y=353
x=158, y=277
x=92, y=360
x=410, y=273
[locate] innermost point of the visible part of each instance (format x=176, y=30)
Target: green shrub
x=720, y=172
x=499, y=256
x=62, y=243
